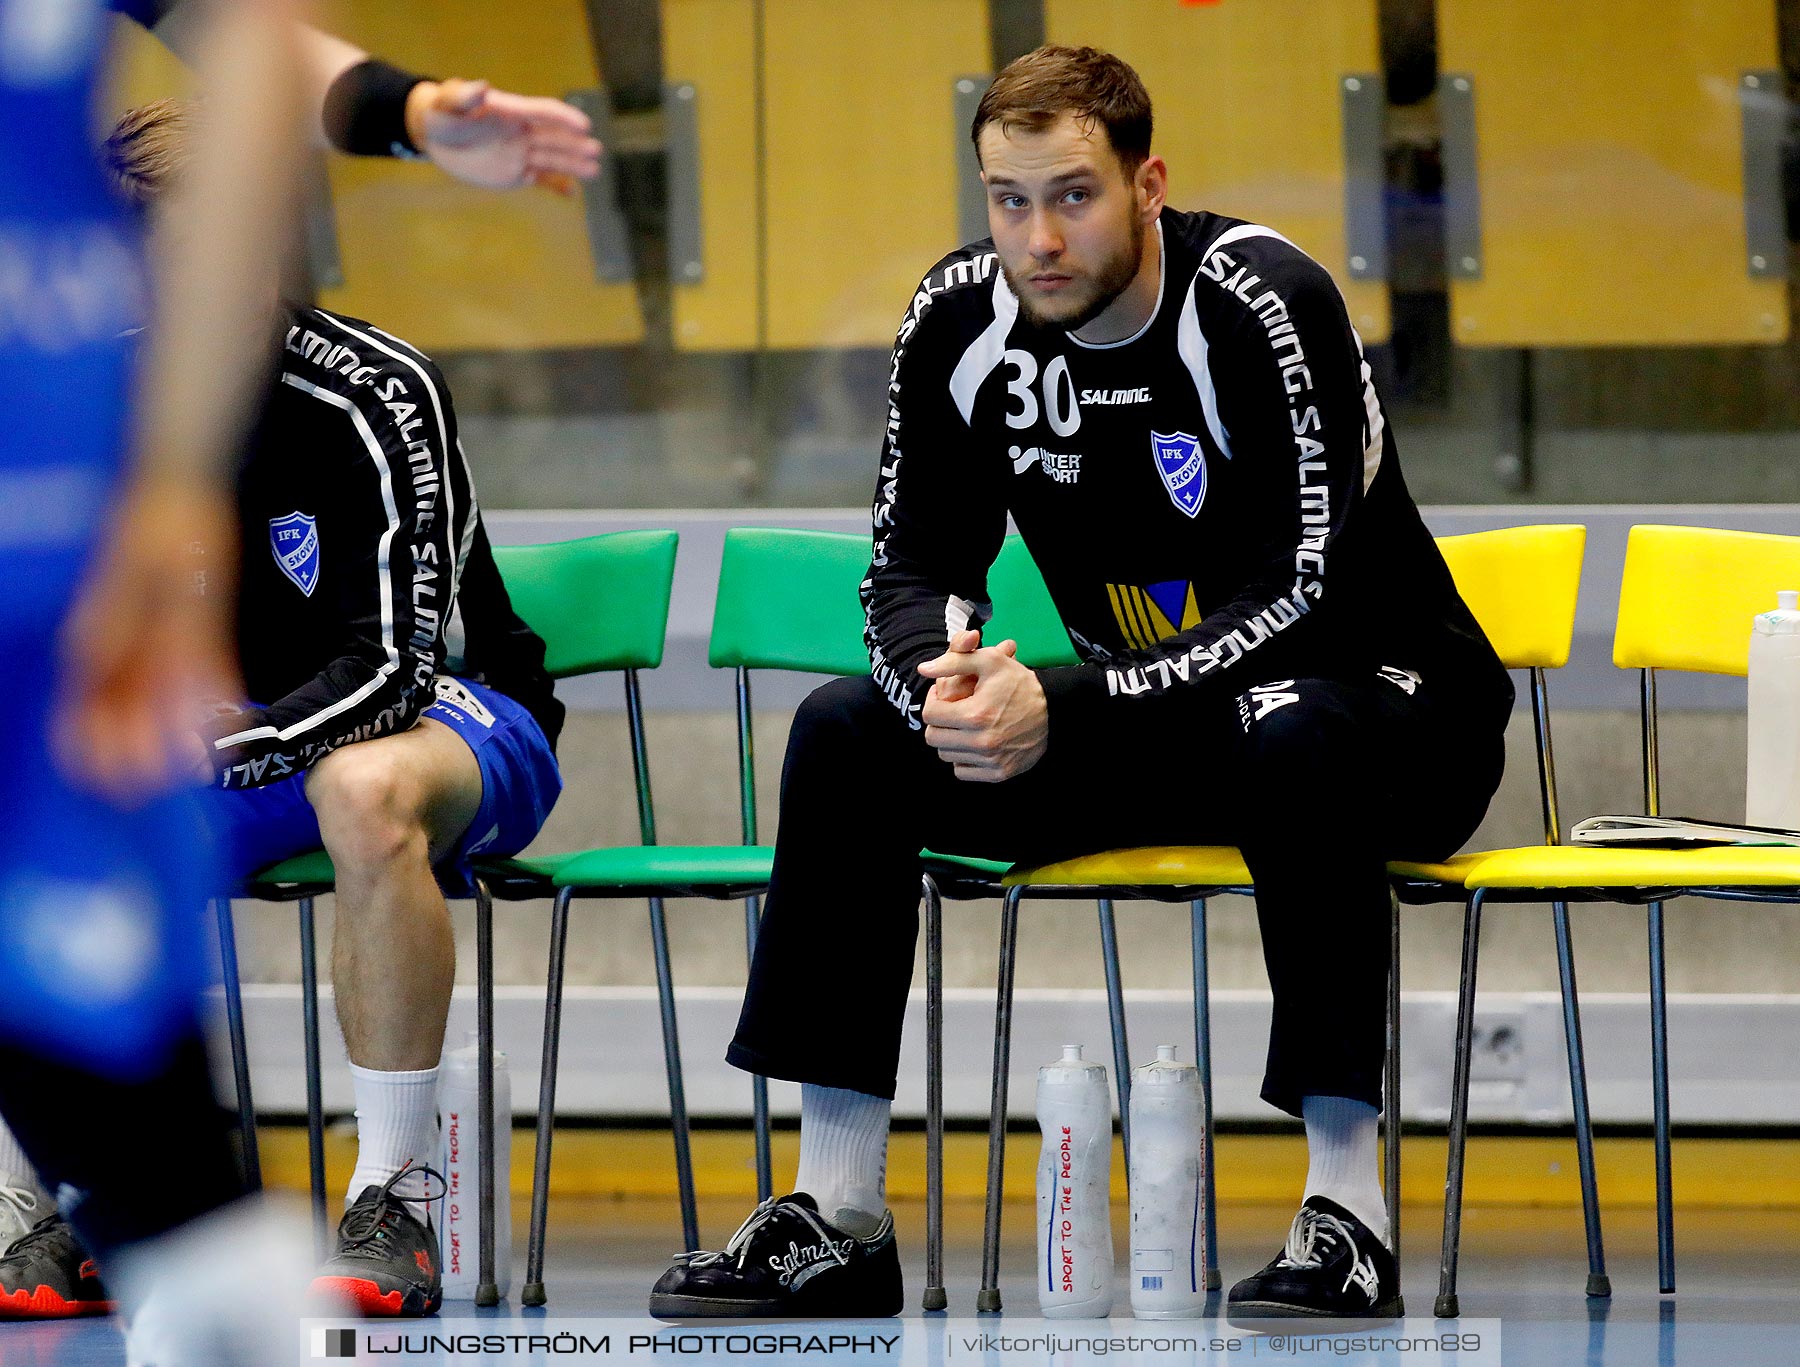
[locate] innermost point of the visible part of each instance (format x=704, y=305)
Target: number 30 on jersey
x=1059, y=393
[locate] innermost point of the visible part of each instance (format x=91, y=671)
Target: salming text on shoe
x=48, y=1275
x=387, y=1258
x=1333, y=1267
x=787, y=1261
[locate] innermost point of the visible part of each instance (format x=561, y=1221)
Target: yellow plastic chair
x=1685, y=602
x=1521, y=584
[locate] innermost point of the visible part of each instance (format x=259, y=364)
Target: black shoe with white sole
x=1333, y=1267
x=787, y=1261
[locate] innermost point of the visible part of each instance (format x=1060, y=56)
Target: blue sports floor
x=1738, y=1277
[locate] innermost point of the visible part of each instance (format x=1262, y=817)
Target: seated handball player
x=1176, y=412
x=403, y=720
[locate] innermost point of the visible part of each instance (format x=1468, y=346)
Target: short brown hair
x=148, y=150
x=1096, y=87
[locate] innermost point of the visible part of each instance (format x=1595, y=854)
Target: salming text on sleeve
x=356, y=515
x=939, y=513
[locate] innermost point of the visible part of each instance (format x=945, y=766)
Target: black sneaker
x=48, y=1275
x=786, y=1261
x=387, y=1258
x=1333, y=1267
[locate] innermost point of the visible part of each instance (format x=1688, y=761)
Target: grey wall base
x=1728, y=1060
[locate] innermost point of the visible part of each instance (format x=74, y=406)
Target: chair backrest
x=1688, y=595
x=1521, y=583
x=599, y=602
x=789, y=599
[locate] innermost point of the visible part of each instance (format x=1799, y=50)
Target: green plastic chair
x=601, y=603
x=788, y=600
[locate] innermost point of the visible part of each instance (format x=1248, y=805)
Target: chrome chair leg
x=1115, y=1013
x=1659, y=1084
x=678, y=1111
x=315, y=1090
x=1447, y=1307
x=1598, y=1283
x=487, y=1291
x=759, y=1085
x=533, y=1293
x=250, y=1156
x=1203, y=1060
x=989, y=1297
x=935, y=1296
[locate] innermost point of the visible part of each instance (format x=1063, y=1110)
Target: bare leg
x=387, y=810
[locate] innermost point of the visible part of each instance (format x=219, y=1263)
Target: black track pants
x=1317, y=781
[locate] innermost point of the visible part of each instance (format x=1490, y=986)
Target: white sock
x=15, y=1167
x=396, y=1124
x=843, y=1155
x=1341, y=1153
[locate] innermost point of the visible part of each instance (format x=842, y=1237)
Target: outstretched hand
x=985, y=715
x=499, y=140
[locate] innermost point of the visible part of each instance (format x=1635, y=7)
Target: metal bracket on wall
x=1762, y=96
x=971, y=197
x=609, y=238
x=1462, y=191
x=681, y=140
x=324, y=261
x=1365, y=175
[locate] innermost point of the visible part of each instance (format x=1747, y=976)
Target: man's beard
x=1110, y=281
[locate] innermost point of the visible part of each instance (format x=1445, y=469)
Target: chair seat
x=966, y=866
x=303, y=870
x=1452, y=871
x=1578, y=866
x=644, y=867
x=1173, y=866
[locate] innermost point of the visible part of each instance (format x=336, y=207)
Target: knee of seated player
x=834, y=721
x=1295, y=741
x=371, y=807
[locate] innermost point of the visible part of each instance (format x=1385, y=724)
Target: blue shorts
x=257, y=827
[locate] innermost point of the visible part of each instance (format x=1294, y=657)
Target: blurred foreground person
x=102, y=871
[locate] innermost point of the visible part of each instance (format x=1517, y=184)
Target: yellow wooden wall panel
x=711, y=45
x=862, y=166
x=138, y=70
x=450, y=267
x=1609, y=148
x=1248, y=105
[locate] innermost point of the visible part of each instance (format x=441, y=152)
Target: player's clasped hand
x=985, y=715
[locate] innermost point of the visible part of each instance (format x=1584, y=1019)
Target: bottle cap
x=1784, y=618
x=1071, y=1053
x=1165, y=1053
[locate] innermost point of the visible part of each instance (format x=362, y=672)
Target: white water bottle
x=1772, y=775
x=1168, y=1179
x=459, y=1134
x=1074, y=1189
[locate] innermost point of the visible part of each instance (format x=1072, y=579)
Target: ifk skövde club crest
x=294, y=539
x=1182, y=465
